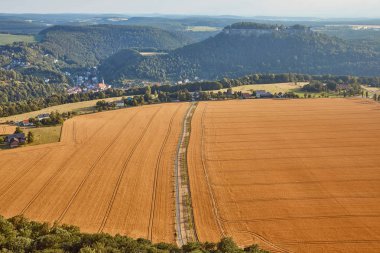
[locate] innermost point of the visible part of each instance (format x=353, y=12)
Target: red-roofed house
x=101, y=86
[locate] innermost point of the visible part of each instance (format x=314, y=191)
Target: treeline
x=347, y=89
x=253, y=25
x=13, y=108
x=147, y=98
x=18, y=234
x=177, y=92
x=291, y=77
x=262, y=79
x=54, y=118
x=191, y=87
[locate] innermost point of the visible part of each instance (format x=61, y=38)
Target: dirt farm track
x=291, y=175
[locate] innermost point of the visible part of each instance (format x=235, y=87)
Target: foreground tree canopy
x=18, y=234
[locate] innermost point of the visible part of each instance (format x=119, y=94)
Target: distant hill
x=87, y=45
x=120, y=64
x=244, y=48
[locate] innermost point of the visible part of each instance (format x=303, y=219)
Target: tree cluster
x=104, y=105
x=18, y=234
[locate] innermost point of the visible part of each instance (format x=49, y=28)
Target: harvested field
x=79, y=107
x=271, y=87
x=6, y=129
x=7, y=39
x=112, y=172
x=290, y=175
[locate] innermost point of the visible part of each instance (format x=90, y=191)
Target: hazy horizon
x=245, y=8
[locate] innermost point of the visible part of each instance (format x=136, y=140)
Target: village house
x=43, y=116
x=14, y=140
x=246, y=95
x=120, y=104
x=74, y=90
x=25, y=123
x=263, y=94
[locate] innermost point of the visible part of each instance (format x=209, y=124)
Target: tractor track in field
x=116, y=189
x=274, y=247
x=21, y=174
x=157, y=169
x=209, y=187
x=92, y=168
x=55, y=174
x=213, y=199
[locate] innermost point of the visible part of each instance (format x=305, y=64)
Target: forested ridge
x=87, y=45
x=236, y=52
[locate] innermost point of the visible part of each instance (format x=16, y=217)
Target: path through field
x=290, y=175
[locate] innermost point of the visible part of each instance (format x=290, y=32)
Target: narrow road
x=184, y=225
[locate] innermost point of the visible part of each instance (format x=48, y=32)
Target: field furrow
x=102, y=174
x=290, y=175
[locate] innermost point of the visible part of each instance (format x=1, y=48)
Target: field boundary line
x=157, y=169
x=116, y=189
x=92, y=168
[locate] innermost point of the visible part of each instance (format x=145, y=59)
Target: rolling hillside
x=87, y=45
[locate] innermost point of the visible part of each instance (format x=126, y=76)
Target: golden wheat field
x=112, y=172
x=290, y=175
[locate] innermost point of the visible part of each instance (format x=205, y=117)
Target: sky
x=283, y=8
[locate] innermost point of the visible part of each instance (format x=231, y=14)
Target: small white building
x=120, y=104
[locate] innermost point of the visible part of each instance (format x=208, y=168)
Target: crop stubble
x=290, y=175
x=107, y=173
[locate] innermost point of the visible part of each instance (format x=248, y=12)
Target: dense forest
x=16, y=87
x=236, y=51
x=87, y=45
x=18, y=234
x=31, y=59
